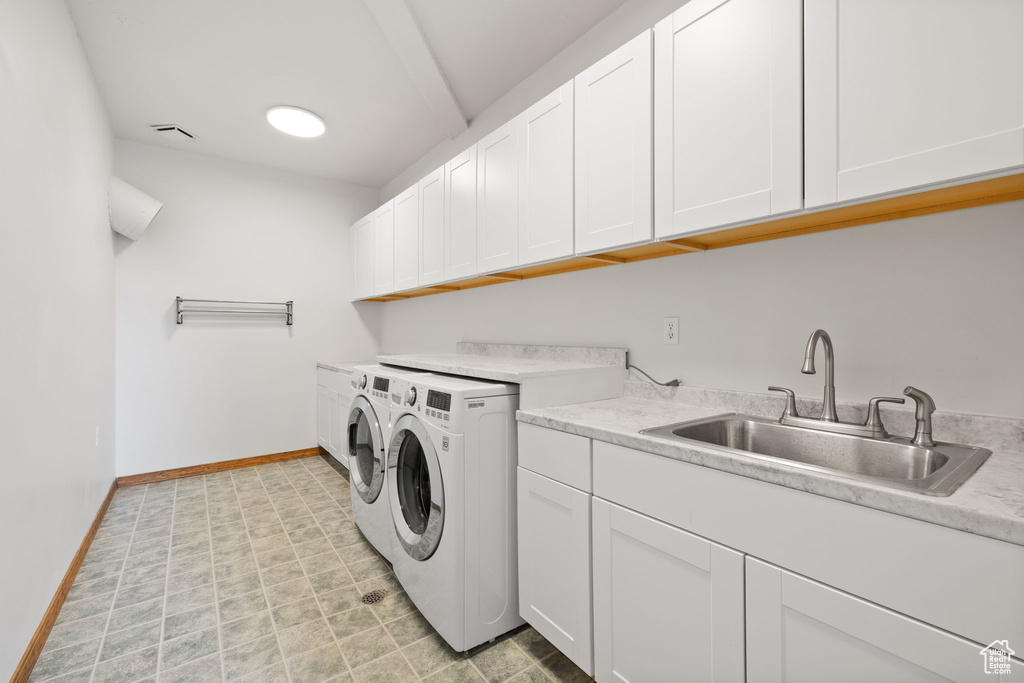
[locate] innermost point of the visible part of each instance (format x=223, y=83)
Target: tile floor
x=256, y=575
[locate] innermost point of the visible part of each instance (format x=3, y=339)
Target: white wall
x=220, y=388
x=933, y=301
x=630, y=20
x=57, y=322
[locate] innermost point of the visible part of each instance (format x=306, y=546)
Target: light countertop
x=990, y=503
x=497, y=368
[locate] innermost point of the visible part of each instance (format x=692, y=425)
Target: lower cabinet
x=333, y=399
x=799, y=630
x=554, y=564
x=668, y=605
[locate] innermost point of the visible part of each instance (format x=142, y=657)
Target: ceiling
x=215, y=67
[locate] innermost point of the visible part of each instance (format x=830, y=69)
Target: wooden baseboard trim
x=35, y=646
x=195, y=470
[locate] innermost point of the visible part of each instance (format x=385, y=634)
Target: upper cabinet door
x=407, y=239
x=497, y=199
x=431, y=225
x=904, y=94
x=613, y=149
x=460, y=216
x=668, y=605
x=727, y=113
x=363, y=261
x=545, y=179
x=800, y=631
x=384, y=240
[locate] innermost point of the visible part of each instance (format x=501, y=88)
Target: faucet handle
x=790, y=402
x=874, y=419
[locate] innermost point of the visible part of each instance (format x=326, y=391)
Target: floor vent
x=373, y=597
x=172, y=132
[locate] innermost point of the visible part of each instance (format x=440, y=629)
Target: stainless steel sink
x=896, y=462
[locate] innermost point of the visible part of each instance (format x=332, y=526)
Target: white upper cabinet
x=727, y=113
x=460, y=216
x=431, y=223
x=407, y=239
x=363, y=261
x=497, y=199
x=545, y=179
x=904, y=94
x=384, y=240
x=613, y=149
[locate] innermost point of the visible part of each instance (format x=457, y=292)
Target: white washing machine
x=368, y=435
x=451, y=479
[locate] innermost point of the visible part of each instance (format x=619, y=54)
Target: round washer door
x=415, y=488
x=366, y=456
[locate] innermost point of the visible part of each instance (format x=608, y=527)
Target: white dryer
x=368, y=435
x=451, y=479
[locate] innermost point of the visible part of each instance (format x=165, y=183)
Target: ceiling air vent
x=172, y=132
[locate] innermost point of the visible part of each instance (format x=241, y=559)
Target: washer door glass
x=365, y=450
x=416, y=489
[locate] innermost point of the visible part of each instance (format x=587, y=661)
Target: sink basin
x=893, y=462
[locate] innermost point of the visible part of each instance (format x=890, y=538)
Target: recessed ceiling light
x=297, y=122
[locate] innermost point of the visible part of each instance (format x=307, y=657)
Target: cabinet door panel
x=323, y=416
x=800, y=630
x=460, y=216
x=546, y=173
x=554, y=564
x=384, y=241
x=407, y=239
x=431, y=266
x=892, y=106
x=668, y=605
x=497, y=199
x=335, y=430
x=363, y=259
x=613, y=149
x=728, y=113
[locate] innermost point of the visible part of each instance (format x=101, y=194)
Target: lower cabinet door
x=323, y=416
x=799, y=630
x=668, y=605
x=336, y=431
x=554, y=564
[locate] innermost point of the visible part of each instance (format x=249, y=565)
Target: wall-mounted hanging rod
x=286, y=311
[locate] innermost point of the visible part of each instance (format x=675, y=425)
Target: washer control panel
x=439, y=405
x=380, y=387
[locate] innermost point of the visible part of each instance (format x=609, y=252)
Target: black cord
x=671, y=383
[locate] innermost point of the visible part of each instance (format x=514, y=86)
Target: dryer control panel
x=380, y=387
x=439, y=405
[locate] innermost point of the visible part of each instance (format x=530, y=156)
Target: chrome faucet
x=923, y=415
x=828, y=409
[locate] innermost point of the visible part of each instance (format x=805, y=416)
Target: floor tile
x=99, y=571
x=390, y=669
x=501, y=661
x=71, y=632
x=326, y=582
x=275, y=556
x=189, y=622
x=206, y=670
x=190, y=549
x=189, y=648
x=305, y=637
x=155, y=572
x=393, y=606
x=323, y=562
x=181, y=582
x=268, y=543
x=340, y=600
x=561, y=669
x=139, y=593
x=232, y=553
x=190, y=599
x=296, y=613
x=345, y=624
x=233, y=569
x=368, y=569
x=357, y=552
x=272, y=674
x=85, y=608
x=317, y=665
x=246, y=629
x=533, y=643
x=242, y=605
x=388, y=582
x=430, y=654
x=460, y=672
x=229, y=588
x=409, y=629
x=289, y=591
x=136, y=614
x=251, y=656
x=131, y=640
x=65, y=660
x=281, y=573
x=366, y=646
x=81, y=590
x=130, y=667
x=531, y=675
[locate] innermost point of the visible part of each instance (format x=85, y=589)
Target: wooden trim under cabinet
x=980, y=193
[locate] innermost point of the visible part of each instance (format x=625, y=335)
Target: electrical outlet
x=97, y=437
x=670, y=331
